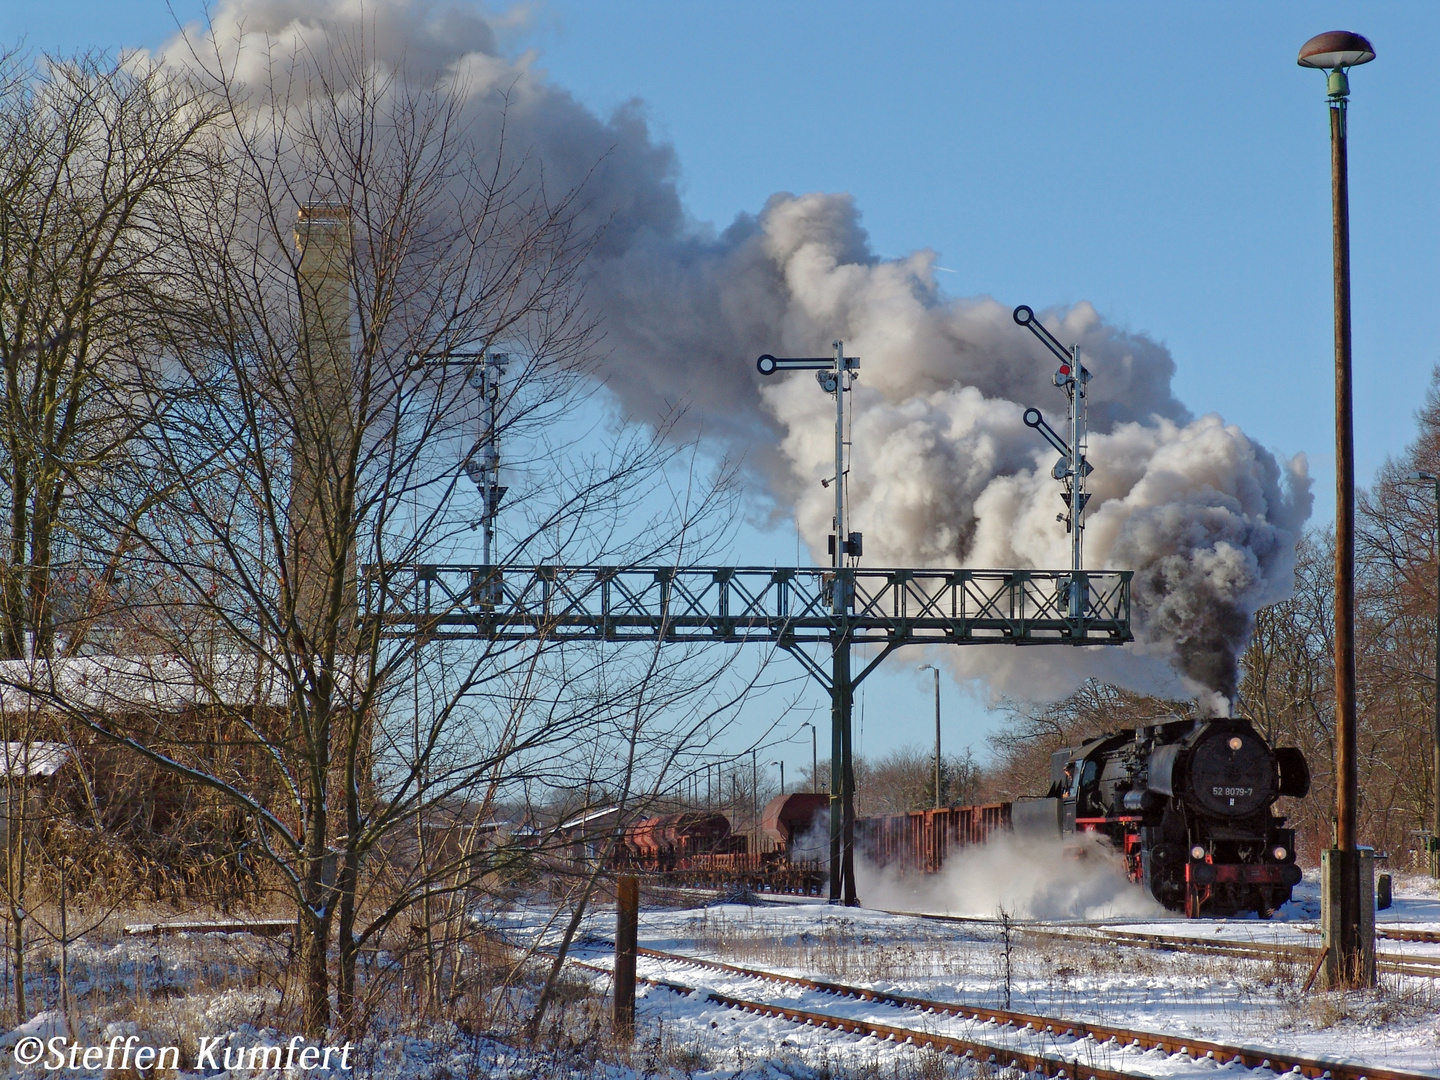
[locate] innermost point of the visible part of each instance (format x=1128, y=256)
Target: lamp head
x=1335, y=51
x=1421, y=478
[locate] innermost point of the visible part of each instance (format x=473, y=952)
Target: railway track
x=1043, y=1052
x=1045, y=1064
x=1390, y=963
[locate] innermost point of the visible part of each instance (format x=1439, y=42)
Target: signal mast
x=483, y=466
x=484, y=371
x=836, y=375
x=1072, y=468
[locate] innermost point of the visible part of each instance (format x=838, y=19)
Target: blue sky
x=1167, y=162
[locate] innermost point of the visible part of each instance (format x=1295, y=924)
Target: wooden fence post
x=627, y=933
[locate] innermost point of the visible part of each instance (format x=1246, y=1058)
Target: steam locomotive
x=1189, y=805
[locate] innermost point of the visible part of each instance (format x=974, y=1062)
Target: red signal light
x=1064, y=369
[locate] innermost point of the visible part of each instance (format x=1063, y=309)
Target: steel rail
x=1398, y=933
x=1050, y=1065
x=1391, y=963
x=1251, y=1057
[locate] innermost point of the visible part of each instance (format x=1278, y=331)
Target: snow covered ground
x=1227, y=999
x=178, y=989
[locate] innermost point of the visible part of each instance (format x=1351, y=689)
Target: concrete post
x=1349, y=945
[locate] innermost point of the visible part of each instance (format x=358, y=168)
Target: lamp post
x=1432, y=843
x=782, y=775
x=814, y=759
x=754, y=784
x=936, y=670
x=1347, y=916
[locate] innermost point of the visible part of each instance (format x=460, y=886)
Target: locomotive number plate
x=1231, y=792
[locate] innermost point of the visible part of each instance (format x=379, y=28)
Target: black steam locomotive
x=1189, y=806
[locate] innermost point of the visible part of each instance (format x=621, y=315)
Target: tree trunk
x=15, y=824
x=349, y=953
x=316, y=914
x=17, y=947
x=314, y=935
x=14, y=635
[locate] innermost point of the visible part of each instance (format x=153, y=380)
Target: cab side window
x=1085, y=789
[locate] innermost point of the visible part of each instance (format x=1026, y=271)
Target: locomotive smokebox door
x=1231, y=772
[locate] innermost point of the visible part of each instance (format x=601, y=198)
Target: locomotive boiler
x=1189, y=805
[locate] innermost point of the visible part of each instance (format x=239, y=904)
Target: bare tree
x=94, y=156
x=303, y=449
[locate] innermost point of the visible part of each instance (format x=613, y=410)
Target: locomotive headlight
x=1280, y=853
x=1236, y=742
x=1197, y=852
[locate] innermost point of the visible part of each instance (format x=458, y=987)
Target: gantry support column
x=842, y=776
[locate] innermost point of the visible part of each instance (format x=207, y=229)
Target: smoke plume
x=943, y=473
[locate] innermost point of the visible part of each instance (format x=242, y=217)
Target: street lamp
x=782, y=775
x=814, y=759
x=1348, y=929
x=932, y=667
x=1432, y=844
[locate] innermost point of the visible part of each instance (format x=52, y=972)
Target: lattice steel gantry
x=791, y=607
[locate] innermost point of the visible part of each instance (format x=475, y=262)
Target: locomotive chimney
x=323, y=437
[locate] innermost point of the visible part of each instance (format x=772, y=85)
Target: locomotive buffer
x=815, y=613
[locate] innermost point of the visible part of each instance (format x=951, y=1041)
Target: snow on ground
x=177, y=988
x=1218, y=998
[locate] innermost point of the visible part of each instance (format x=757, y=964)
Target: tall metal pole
x=1434, y=821
x=491, y=491
x=1432, y=842
x=831, y=372
x=1079, y=379
x=936, y=671
x=839, y=554
x=1347, y=773
x=842, y=768
x=1432, y=839
x=937, y=738
x=1433, y=846
x=1347, y=913
x=845, y=701
x=1077, y=458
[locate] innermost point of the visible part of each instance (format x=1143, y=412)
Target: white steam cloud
x=944, y=473
x=1015, y=874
